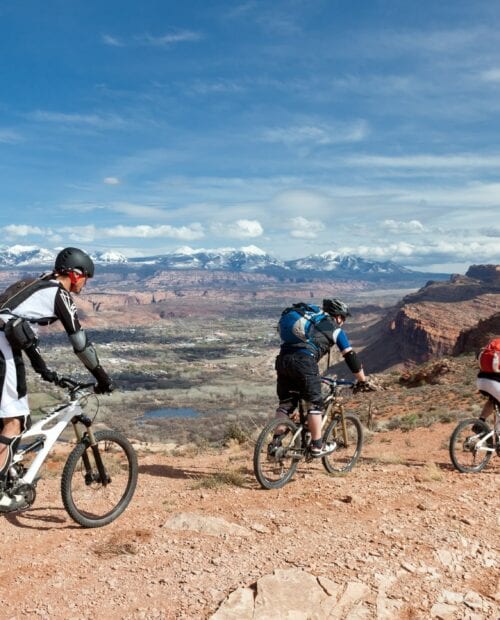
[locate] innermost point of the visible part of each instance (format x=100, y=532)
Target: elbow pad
x=84, y=350
x=351, y=359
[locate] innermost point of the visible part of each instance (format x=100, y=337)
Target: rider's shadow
x=27, y=519
x=164, y=471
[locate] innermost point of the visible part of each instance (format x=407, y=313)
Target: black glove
x=363, y=386
x=104, y=384
x=104, y=387
x=49, y=375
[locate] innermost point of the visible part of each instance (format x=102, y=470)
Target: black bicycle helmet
x=73, y=259
x=335, y=307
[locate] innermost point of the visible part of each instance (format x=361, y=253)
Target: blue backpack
x=297, y=324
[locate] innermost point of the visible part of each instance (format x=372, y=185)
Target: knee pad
x=11, y=443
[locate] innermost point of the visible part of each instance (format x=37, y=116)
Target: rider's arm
x=65, y=310
x=350, y=357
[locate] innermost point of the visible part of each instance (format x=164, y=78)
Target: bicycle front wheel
x=348, y=445
x=468, y=453
x=274, y=465
x=99, y=482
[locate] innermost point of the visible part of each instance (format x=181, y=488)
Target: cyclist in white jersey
x=41, y=302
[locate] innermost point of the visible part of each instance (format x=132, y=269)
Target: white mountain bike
x=100, y=474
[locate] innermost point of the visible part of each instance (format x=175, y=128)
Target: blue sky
x=298, y=126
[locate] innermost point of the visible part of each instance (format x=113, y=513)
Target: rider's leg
x=11, y=430
x=11, y=434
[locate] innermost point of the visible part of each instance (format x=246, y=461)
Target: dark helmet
x=335, y=307
x=73, y=259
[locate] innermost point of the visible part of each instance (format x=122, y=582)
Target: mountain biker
x=298, y=374
x=41, y=302
x=488, y=384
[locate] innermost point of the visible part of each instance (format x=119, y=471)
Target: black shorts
x=298, y=377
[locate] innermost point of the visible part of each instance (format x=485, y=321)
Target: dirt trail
x=422, y=538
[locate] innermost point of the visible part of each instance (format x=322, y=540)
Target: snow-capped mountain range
x=245, y=259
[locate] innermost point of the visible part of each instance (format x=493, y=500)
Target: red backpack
x=489, y=357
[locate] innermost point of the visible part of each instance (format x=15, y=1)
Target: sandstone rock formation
x=442, y=318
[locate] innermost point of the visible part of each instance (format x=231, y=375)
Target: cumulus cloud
x=302, y=228
x=240, y=229
x=111, y=181
x=22, y=230
x=437, y=252
x=394, y=226
x=142, y=231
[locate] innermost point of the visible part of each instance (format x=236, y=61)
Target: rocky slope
x=442, y=318
x=402, y=537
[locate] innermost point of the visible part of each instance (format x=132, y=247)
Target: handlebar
x=332, y=381
x=356, y=386
x=72, y=385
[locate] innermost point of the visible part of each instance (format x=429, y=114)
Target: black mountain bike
x=274, y=465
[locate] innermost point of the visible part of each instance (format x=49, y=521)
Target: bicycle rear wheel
x=275, y=465
x=467, y=452
x=345, y=455
x=95, y=494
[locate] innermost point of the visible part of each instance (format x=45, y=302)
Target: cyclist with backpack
x=307, y=333
x=39, y=301
x=488, y=380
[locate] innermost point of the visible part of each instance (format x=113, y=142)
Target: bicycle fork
x=89, y=438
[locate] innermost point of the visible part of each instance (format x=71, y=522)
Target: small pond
x=171, y=412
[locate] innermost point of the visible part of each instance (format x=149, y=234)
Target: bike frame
x=333, y=405
x=59, y=418
x=482, y=443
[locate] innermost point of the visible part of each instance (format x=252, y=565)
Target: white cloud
x=8, y=136
x=394, y=226
x=112, y=40
x=22, y=230
x=302, y=228
x=317, y=134
x=466, y=160
x=111, y=181
x=491, y=75
x=88, y=120
x=240, y=229
x=188, y=233
x=169, y=38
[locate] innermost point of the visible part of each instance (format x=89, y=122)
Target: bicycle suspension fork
x=104, y=477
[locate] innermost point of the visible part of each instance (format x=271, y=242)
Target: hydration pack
x=297, y=324
x=489, y=357
x=18, y=292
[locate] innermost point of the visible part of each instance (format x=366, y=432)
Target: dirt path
x=422, y=538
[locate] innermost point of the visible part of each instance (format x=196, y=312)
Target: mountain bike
x=100, y=474
x=275, y=462
x=471, y=449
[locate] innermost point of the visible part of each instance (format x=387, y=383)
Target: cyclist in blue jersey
x=298, y=375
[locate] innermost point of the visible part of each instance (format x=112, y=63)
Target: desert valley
x=403, y=535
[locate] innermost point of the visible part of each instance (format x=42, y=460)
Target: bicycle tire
x=89, y=502
x=343, y=458
x=463, y=453
x=274, y=471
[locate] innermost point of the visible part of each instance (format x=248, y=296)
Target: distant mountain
x=109, y=258
x=343, y=264
x=26, y=255
x=250, y=259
